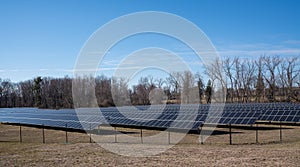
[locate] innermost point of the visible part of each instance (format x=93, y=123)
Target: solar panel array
x=283, y=112
x=51, y=118
x=232, y=114
x=185, y=117
x=170, y=116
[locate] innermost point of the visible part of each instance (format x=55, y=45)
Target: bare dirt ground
x=216, y=150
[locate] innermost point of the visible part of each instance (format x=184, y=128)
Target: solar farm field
x=216, y=151
x=237, y=135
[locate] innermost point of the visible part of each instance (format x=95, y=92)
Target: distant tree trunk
x=260, y=87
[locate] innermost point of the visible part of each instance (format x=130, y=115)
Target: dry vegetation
x=215, y=152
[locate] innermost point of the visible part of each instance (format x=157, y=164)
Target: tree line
x=266, y=79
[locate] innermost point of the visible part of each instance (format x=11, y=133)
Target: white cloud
x=292, y=42
x=280, y=52
x=284, y=48
x=100, y=69
x=109, y=63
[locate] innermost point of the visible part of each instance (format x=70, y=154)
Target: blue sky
x=44, y=37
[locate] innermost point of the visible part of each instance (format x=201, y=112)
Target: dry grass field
x=216, y=150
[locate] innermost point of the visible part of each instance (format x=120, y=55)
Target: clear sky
x=44, y=37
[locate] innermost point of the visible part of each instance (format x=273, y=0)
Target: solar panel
x=158, y=116
x=283, y=112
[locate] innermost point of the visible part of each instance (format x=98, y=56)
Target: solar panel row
x=157, y=116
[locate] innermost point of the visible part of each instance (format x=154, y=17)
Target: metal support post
x=201, y=135
x=115, y=134
x=67, y=133
x=280, y=131
x=142, y=136
x=43, y=131
x=20, y=134
x=169, y=137
x=230, y=137
x=256, y=134
x=90, y=133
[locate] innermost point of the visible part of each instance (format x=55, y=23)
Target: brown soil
x=215, y=152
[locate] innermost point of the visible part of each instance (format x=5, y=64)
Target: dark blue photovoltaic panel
x=156, y=116
x=280, y=112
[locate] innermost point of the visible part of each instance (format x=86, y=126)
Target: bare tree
x=174, y=81
x=120, y=91
x=189, y=95
x=228, y=69
x=247, y=78
x=159, y=82
x=238, y=80
x=215, y=72
x=270, y=64
x=140, y=93
x=103, y=91
x=292, y=72
x=260, y=86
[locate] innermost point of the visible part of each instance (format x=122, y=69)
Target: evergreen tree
x=208, y=91
x=37, y=91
